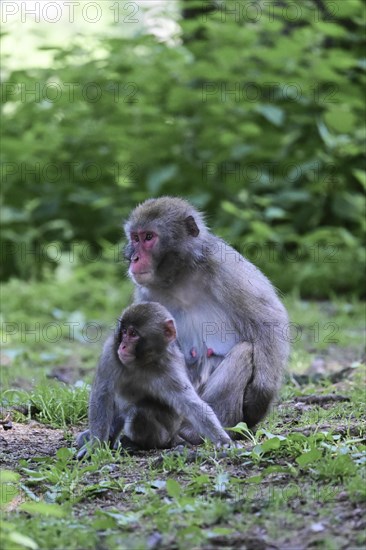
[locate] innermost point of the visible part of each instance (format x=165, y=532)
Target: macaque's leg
x=129, y=445
x=117, y=425
x=178, y=440
x=143, y=429
x=82, y=438
x=243, y=386
x=224, y=390
x=126, y=444
x=116, y=429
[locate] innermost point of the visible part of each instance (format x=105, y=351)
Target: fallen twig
x=321, y=399
x=353, y=430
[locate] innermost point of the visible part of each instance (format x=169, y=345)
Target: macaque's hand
x=229, y=445
x=88, y=448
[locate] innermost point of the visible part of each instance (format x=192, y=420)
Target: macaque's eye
x=149, y=236
x=135, y=237
x=132, y=332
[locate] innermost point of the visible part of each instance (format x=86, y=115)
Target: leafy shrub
x=256, y=120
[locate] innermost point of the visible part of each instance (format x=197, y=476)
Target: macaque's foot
x=177, y=449
x=83, y=453
x=83, y=444
x=88, y=448
x=232, y=444
x=82, y=439
x=124, y=443
x=179, y=442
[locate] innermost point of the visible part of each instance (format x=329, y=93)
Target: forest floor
x=297, y=483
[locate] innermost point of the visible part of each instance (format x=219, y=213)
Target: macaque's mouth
x=126, y=356
x=138, y=274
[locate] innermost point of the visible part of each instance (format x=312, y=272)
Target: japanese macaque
x=231, y=324
x=142, y=387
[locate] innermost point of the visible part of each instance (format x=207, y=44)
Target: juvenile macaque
x=142, y=387
x=231, y=324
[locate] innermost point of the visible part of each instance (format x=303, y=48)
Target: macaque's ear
x=170, y=331
x=191, y=226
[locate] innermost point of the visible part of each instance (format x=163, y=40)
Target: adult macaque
x=231, y=324
x=142, y=387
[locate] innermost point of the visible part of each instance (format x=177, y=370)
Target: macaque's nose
x=134, y=258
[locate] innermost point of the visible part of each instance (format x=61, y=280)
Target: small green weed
x=52, y=403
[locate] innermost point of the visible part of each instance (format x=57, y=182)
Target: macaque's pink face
x=127, y=348
x=141, y=266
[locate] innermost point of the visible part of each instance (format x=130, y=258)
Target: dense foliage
x=254, y=115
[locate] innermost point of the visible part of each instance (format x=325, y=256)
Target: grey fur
x=148, y=399
x=219, y=301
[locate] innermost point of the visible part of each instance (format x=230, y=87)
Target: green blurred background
x=254, y=111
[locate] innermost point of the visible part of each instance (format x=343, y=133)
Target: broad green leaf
x=348, y=206
x=347, y=9
x=340, y=119
x=43, y=509
x=23, y=540
x=360, y=175
x=8, y=476
x=254, y=479
x=331, y=29
x=64, y=453
x=257, y=450
x=271, y=444
x=273, y=114
x=270, y=435
x=274, y=213
x=309, y=457
x=8, y=491
x=173, y=488
x=241, y=427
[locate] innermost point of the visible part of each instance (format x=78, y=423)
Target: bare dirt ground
x=27, y=441
x=341, y=524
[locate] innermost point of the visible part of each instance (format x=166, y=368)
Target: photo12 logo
x=70, y=11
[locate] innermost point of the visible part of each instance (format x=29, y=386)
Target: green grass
x=296, y=481
x=53, y=404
